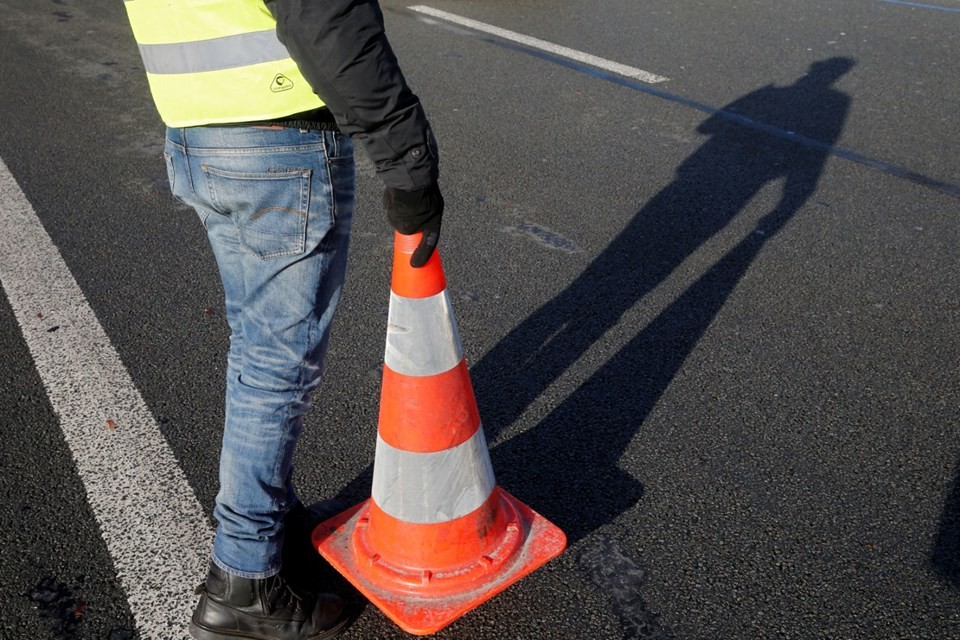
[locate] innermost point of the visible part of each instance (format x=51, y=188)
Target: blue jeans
x=277, y=205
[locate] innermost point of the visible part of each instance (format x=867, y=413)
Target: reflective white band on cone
x=422, y=335
x=431, y=488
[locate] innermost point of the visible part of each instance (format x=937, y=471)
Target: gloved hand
x=413, y=211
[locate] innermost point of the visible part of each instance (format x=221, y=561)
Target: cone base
x=436, y=606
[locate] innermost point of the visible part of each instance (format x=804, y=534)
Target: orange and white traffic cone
x=437, y=538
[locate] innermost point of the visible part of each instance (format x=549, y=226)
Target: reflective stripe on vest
x=213, y=55
x=216, y=62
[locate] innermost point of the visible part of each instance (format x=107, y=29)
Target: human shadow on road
x=567, y=465
x=945, y=558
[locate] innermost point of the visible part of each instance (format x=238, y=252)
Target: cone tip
x=415, y=282
x=406, y=244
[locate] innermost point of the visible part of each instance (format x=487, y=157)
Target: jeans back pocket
x=270, y=209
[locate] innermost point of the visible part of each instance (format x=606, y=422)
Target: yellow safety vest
x=216, y=61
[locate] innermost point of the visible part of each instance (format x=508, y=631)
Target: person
x=263, y=100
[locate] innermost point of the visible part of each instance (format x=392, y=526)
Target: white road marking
x=149, y=517
x=543, y=45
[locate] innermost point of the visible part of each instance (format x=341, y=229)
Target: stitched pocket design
x=269, y=209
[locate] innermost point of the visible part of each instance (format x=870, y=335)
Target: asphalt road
x=711, y=322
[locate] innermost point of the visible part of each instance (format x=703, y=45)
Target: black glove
x=413, y=211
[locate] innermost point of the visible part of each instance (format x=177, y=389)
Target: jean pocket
x=172, y=178
x=339, y=148
x=171, y=175
x=269, y=209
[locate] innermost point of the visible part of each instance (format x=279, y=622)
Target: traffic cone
x=437, y=537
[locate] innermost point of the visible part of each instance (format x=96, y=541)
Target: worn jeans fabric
x=277, y=205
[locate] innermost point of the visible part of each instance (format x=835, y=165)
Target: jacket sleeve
x=342, y=50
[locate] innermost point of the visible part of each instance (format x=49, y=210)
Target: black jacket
x=342, y=50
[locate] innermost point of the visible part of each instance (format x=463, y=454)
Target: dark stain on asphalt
x=622, y=580
x=57, y=602
x=543, y=236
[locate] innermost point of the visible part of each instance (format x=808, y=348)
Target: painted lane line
x=898, y=171
x=950, y=188
x=920, y=5
x=148, y=515
x=543, y=45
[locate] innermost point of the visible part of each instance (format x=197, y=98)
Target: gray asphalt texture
x=718, y=353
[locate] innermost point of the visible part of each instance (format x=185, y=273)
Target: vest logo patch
x=281, y=83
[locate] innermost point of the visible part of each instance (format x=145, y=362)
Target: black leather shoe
x=231, y=607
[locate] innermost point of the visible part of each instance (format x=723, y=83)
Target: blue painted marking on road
x=853, y=156
x=923, y=6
